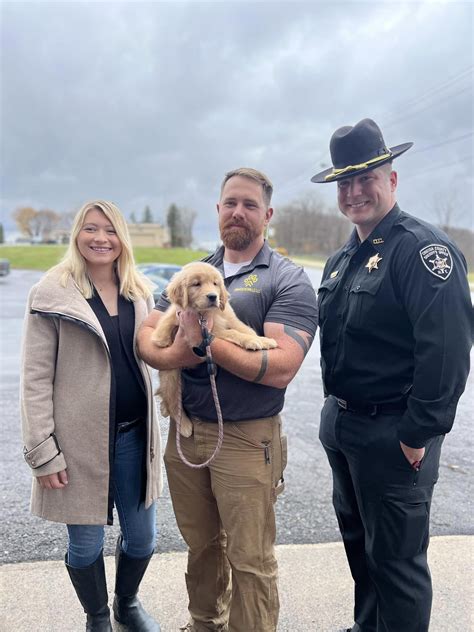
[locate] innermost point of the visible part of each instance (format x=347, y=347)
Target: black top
x=270, y=289
x=128, y=395
x=395, y=321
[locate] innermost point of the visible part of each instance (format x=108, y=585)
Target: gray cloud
x=150, y=103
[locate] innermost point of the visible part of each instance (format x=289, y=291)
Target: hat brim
x=396, y=151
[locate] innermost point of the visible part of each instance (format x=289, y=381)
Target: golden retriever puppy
x=198, y=286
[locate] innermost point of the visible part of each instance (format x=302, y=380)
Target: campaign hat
x=357, y=149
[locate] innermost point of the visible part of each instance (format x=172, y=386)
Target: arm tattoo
x=263, y=367
x=297, y=337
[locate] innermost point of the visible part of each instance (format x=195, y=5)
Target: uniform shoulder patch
x=437, y=259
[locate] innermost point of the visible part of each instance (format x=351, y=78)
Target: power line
x=427, y=106
x=437, y=166
x=434, y=90
x=303, y=178
x=443, y=142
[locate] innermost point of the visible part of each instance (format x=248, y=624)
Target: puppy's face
x=199, y=286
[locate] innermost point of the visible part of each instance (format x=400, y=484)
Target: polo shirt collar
x=262, y=258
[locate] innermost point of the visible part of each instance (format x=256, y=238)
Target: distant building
x=149, y=235
x=61, y=235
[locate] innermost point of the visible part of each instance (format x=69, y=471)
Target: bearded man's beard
x=238, y=237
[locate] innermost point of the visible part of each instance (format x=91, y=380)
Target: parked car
x=4, y=267
x=165, y=270
x=159, y=274
x=159, y=283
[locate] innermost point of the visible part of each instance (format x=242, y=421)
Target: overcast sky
x=149, y=103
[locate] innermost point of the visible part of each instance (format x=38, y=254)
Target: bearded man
x=225, y=511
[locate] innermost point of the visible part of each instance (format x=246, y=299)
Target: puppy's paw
x=186, y=429
x=162, y=341
x=268, y=343
x=164, y=410
x=258, y=343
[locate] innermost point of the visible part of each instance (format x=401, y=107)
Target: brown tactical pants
x=225, y=514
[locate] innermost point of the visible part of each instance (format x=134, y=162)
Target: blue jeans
x=137, y=524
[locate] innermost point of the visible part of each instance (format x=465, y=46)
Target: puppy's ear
x=224, y=296
x=177, y=291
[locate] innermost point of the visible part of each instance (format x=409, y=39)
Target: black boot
x=127, y=607
x=91, y=588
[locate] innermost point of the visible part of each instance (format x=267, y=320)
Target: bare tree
x=334, y=229
x=447, y=208
x=308, y=226
x=44, y=222
x=24, y=217
x=66, y=220
x=64, y=226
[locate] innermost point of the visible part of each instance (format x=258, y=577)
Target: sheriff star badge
x=372, y=263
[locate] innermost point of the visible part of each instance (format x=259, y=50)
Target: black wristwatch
x=200, y=350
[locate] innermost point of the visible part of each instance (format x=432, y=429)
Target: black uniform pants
x=382, y=506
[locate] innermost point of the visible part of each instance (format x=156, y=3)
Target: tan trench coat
x=64, y=392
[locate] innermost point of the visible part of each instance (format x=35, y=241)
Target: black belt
x=372, y=409
x=125, y=426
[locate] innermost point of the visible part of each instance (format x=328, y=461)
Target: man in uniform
x=394, y=316
x=225, y=511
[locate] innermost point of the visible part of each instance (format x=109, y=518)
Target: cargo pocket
x=280, y=479
x=401, y=530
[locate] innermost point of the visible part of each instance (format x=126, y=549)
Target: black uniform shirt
x=395, y=321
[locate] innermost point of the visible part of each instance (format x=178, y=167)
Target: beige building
x=149, y=235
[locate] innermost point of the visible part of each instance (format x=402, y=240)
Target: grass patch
x=309, y=262
x=180, y=256
x=32, y=257
x=39, y=257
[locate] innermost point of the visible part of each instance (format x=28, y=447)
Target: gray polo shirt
x=270, y=289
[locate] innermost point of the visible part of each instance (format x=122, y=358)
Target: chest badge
x=372, y=263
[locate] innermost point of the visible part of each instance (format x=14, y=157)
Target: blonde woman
x=89, y=422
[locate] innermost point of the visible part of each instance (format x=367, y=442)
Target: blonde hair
x=132, y=284
x=252, y=174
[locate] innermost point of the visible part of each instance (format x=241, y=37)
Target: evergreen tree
x=173, y=219
x=2, y=237
x=147, y=216
x=180, y=225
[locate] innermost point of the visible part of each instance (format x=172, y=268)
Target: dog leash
x=211, y=369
